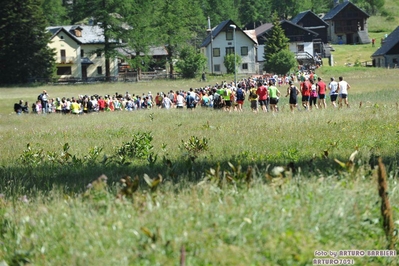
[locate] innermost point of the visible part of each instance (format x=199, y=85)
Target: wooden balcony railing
x=346, y=29
x=65, y=60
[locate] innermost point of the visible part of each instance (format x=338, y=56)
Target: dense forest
x=139, y=23
x=243, y=12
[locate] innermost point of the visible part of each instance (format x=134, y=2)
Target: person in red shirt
x=263, y=95
x=321, y=90
x=305, y=91
x=101, y=104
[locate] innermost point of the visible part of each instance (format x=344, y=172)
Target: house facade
x=78, y=52
x=388, y=54
x=347, y=24
x=313, y=22
x=221, y=42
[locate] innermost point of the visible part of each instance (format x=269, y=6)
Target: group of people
x=262, y=92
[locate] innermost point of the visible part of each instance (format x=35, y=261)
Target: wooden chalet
x=347, y=24
x=388, y=54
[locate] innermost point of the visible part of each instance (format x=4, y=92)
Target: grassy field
x=236, y=188
x=249, y=189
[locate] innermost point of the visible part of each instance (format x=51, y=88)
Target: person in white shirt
x=179, y=100
x=333, y=87
x=343, y=88
x=166, y=102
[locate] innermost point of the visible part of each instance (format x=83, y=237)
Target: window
x=244, y=50
x=229, y=50
x=62, y=37
x=216, y=52
x=82, y=53
x=99, y=70
x=78, y=33
x=244, y=66
x=99, y=54
x=301, y=48
x=229, y=35
x=216, y=68
x=64, y=71
x=63, y=56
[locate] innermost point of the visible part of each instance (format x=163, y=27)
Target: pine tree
x=275, y=39
x=24, y=53
x=179, y=22
x=140, y=18
x=220, y=10
x=106, y=14
x=279, y=59
x=56, y=14
x=286, y=9
x=252, y=13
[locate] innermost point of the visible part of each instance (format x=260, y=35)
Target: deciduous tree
x=190, y=62
x=282, y=62
x=229, y=62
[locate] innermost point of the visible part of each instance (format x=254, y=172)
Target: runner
x=321, y=90
x=293, y=92
x=333, y=87
x=343, y=88
x=274, y=93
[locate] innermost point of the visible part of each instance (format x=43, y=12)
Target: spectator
x=44, y=101
x=18, y=107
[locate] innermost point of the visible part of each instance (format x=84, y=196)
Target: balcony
x=65, y=60
x=346, y=29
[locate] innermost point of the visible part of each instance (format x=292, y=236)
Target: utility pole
x=235, y=56
x=210, y=30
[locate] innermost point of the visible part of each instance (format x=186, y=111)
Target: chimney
x=336, y=2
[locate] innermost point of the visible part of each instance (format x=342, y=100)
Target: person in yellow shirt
x=75, y=107
x=226, y=98
x=58, y=105
x=253, y=98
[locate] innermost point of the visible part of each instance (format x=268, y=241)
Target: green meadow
x=208, y=187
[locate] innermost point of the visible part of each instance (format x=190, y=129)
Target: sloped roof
x=86, y=61
x=338, y=8
x=219, y=28
x=303, y=14
x=267, y=26
x=252, y=35
x=298, y=17
x=389, y=43
x=90, y=34
x=263, y=28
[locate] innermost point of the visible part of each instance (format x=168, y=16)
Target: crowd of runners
x=263, y=93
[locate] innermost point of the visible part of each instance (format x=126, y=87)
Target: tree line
x=177, y=24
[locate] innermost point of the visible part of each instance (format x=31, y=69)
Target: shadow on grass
x=74, y=178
